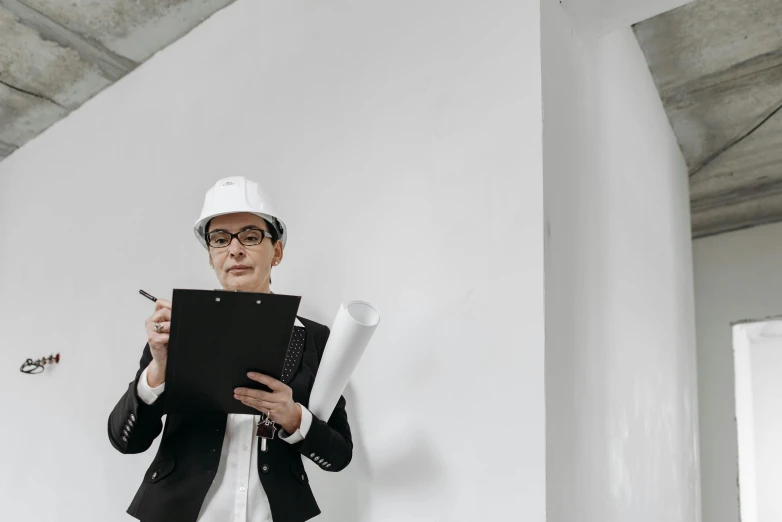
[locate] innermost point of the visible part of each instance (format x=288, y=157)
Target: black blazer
x=176, y=483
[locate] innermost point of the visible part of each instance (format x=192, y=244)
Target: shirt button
x=242, y=489
x=265, y=468
x=246, y=448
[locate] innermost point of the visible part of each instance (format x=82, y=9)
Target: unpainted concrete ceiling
x=56, y=54
x=596, y=18
x=718, y=67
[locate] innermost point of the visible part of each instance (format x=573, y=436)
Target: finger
x=158, y=339
x=164, y=314
x=254, y=394
x=271, y=382
x=162, y=304
x=165, y=327
x=157, y=317
x=261, y=406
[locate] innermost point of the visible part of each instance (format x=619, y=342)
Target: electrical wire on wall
x=35, y=367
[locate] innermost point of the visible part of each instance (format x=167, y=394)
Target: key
x=266, y=431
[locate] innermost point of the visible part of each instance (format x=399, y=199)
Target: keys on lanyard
x=265, y=430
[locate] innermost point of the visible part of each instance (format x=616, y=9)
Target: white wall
x=620, y=349
x=736, y=278
x=766, y=357
x=758, y=362
x=403, y=142
x=745, y=424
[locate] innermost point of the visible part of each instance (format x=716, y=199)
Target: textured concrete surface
x=596, y=18
x=56, y=55
x=135, y=29
x=718, y=67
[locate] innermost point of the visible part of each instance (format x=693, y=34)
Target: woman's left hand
x=278, y=404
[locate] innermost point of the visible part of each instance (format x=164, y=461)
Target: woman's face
x=240, y=267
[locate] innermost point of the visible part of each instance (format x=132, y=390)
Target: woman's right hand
x=158, y=342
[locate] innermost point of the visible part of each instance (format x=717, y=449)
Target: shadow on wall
x=412, y=472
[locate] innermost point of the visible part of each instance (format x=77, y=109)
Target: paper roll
x=350, y=335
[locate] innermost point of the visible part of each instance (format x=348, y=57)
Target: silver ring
x=158, y=327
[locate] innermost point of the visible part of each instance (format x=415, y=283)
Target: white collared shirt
x=236, y=493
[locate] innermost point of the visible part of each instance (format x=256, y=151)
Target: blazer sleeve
x=133, y=425
x=328, y=443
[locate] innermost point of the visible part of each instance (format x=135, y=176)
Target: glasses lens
x=251, y=237
x=218, y=239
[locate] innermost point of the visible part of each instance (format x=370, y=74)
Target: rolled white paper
x=350, y=335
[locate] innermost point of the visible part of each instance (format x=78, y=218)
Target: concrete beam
x=22, y=116
x=30, y=93
x=754, y=127
x=111, y=65
x=6, y=149
x=758, y=212
x=757, y=70
x=743, y=194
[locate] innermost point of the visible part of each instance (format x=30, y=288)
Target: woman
x=209, y=466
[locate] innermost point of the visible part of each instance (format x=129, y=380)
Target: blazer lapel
x=303, y=374
x=293, y=357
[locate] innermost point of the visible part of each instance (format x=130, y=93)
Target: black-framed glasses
x=247, y=237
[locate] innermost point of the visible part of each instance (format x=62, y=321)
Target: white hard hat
x=237, y=194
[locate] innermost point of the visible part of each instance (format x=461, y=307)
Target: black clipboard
x=216, y=338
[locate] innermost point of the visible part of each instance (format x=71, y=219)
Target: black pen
x=148, y=296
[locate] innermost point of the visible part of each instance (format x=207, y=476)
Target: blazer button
x=303, y=478
x=154, y=475
x=132, y=417
x=124, y=438
x=265, y=468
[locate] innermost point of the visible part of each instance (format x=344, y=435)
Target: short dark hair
x=273, y=231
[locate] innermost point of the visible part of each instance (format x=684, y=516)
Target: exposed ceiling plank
x=6, y=149
x=30, y=93
x=111, y=65
x=752, y=71
x=735, y=196
x=762, y=210
x=733, y=226
x=770, y=113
